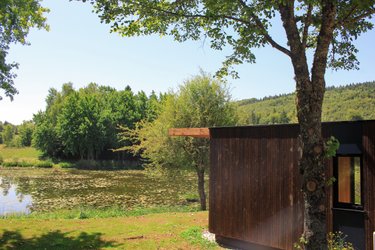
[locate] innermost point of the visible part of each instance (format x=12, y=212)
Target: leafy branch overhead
x=16, y=19
x=242, y=25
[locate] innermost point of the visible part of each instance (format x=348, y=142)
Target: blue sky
x=80, y=49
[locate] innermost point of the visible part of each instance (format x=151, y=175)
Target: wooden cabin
x=255, y=200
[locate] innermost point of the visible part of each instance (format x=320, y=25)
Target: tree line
x=72, y=116
x=16, y=136
x=84, y=123
x=351, y=102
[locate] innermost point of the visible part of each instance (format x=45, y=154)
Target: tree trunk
x=202, y=194
x=312, y=167
x=310, y=93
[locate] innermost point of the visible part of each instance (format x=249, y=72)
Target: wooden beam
x=193, y=132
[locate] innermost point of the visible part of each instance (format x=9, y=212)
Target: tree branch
x=257, y=21
x=324, y=40
x=346, y=20
x=307, y=25
x=348, y=15
x=266, y=35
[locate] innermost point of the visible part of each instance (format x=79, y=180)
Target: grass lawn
x=26, y=153
x=152, y=231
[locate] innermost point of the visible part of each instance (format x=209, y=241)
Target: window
x=348, y=181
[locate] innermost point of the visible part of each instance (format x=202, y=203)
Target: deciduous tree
x=326, y=28
x=16, y=19
x=199, y=102
x=8, y=134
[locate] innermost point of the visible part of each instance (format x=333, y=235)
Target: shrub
x=44, y=164
x=337, y=241
x=10, y=164
x=65, y=165
x=25, y=164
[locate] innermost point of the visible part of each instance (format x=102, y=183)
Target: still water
x=24, y=190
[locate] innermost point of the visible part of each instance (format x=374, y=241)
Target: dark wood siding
x=255, y=182
x=368, y=142
x=254, y=185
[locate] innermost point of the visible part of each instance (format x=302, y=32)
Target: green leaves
x=16, y=19
x=331, y=146
x=84, y=123
x=241, y=25
x=199, y=102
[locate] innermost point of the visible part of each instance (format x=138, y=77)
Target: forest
x=344, y=103
x=83, y=123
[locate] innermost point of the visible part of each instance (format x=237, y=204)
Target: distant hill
x=351, y=102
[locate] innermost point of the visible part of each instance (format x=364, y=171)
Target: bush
x=66, y=165
x=337, y=241
x=44, y=164
x=10, y=164
x=25, y=164
x=1, y=160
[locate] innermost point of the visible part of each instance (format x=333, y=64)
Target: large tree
x=326, y=28
x=16, y=19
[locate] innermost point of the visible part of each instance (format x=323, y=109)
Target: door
x=348, y=212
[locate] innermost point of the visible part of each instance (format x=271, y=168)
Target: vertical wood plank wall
x=255, y=182
x=368, y=141
x=254, y=185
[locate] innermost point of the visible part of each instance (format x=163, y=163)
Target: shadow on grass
x=53, y=240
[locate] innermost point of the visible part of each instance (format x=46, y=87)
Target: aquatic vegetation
x=62, y=189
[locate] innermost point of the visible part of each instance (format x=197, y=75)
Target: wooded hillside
x=351, y=102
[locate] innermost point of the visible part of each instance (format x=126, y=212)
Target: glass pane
x=344, y=174
x=349, y=180
x=357, y=180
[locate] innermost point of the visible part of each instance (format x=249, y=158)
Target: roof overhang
x=192, y=132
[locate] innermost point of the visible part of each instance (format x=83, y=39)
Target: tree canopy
x=83, y=124
x=16, y=19
x=242, y=24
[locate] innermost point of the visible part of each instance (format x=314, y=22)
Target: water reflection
x=27, y=190
x=11, y=200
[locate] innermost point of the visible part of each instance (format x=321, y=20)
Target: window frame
x=336, y=203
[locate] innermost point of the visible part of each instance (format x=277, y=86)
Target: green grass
x=22, y=157
x=111, y=212
x=12, y=154
x=152, y=231
x=194, y=236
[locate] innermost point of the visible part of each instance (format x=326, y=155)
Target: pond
x=24, y=190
